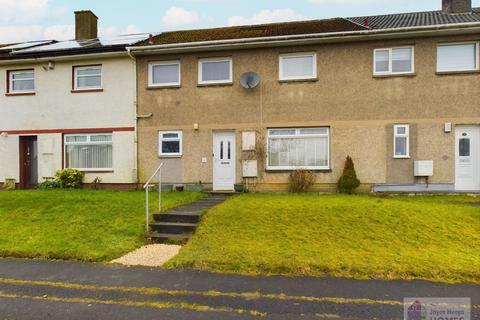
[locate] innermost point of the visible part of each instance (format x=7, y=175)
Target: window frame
x=298, y=135
x=10, y=81
x=161, y=139
x=152, y=64
x=75, y=87
x=390, y=62
x=88, y=142
x=212, y=82
x=477, y=56
x=404, y=135
x=281, y=57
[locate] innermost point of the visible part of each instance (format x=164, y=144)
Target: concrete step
x=173, y=227
x=162, y=237
x=181, y=217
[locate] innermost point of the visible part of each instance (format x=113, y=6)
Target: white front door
x=467, y=158
x=223, y=161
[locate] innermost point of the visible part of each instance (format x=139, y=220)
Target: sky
x=24, y=20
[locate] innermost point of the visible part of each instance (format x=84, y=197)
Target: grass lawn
x=89, y=225
x=425, y=237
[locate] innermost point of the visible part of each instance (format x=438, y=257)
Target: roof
x=417, y=19
x=257, y=31
x=47, y=48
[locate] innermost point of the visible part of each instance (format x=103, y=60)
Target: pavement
x=39, y=289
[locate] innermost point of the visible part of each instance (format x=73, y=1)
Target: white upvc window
x=87, y=77
x=170, y=143
x=164, y=74
x=401, y=141
x=89, y=152
x=298, y=148
x=393, y=61
x=215, y=71
x=21, y=81
x=298, y=66
x=453, y=57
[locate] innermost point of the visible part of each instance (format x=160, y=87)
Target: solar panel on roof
x=24, y=45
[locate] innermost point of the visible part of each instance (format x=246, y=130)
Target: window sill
x=172, y=86
x=13, y=94
x=164, y=156
x=298, y=80
x=216, y=84
x=85, y=90
x=96, y=171
x=448, y=73
x=401, y=157
x=395, y=75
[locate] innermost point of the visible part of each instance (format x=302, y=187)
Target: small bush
x=301, y=181
x=69, y=178
x=48, y=184
x=348, y=182
x=9, y=184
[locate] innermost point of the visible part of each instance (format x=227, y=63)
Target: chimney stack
x=86, y=25
x=457, y=6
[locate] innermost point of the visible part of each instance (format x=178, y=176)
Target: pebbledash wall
x=54, y=111
x=359, y=109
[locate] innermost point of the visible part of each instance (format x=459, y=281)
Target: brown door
x=28, y=162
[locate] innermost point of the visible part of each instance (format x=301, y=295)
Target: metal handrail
x=146, y=187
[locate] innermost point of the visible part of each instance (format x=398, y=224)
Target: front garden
x=422, y=237
x=87, y=225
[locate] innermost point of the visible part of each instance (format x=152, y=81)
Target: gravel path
x=153, y=255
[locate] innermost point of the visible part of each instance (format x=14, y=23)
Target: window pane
x=89, y=156
x=402, y=60
x=401, y=130
x=456, y=57
x=313, y=131
x=170, y=135
x=298, y=67
x=76, y=138
x=216, y=71
x=165, y=74
x=22, y=75
x=282, y=132
x=101, y=138
x=298, y=152
x=23, y=85
x=381, y=60
x=464, y=145
x=89, y=82
x=400, y=146
x=170, y=147
x=89, y=72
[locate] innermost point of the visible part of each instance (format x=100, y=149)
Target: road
x=39, y=289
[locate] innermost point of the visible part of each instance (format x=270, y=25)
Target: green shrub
x=48, y=184
x=301, y=181
x=348, y=182
x=9, y=184
x=69, y=178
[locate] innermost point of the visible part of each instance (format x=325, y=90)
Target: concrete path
x=37, y=289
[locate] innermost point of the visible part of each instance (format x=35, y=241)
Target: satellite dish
x=250, y=80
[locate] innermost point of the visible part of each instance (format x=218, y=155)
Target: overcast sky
x=22, y=20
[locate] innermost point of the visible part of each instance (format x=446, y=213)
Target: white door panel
x=223, y=161
x=467, y=158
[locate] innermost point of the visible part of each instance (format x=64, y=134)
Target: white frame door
x=224, y=161
x=467, y=158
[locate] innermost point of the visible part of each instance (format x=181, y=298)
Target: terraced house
x=69, y=104
x=398, y=93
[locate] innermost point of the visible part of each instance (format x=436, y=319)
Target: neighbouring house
x=398, y=93
x=69, y=104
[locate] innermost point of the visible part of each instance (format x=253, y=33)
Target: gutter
x=345, y=36
x=85, y=56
